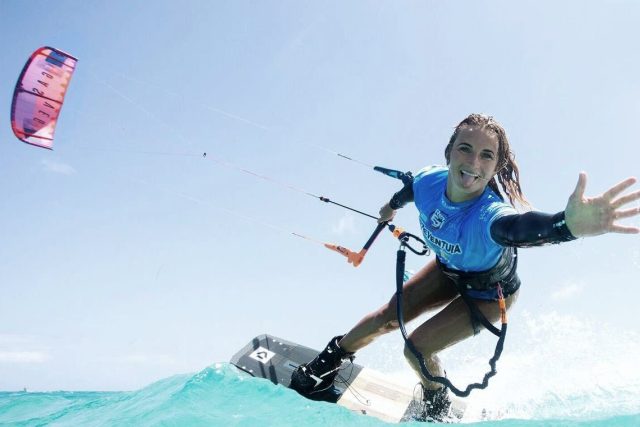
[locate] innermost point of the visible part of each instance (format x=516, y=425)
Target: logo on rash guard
x=437, y=219
x=443, y=245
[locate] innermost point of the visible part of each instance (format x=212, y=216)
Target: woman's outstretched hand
x=591, y=216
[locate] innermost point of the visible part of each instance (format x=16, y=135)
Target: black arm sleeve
x=402, y=197
x=531, y=229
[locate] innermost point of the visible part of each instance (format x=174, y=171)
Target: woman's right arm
x=399, y=199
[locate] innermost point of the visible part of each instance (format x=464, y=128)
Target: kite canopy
x=39, y=95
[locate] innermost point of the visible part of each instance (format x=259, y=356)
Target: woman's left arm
x=583, y=217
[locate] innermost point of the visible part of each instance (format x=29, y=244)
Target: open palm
x=591, y=216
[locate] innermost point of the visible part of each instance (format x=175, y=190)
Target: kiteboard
x=357, y=388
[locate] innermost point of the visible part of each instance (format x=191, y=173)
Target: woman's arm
x=399, y=199
x=582, y=217
x=531, y=229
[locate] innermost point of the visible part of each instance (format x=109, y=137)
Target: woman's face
x=472, y=163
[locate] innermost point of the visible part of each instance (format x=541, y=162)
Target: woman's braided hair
x=508, y=174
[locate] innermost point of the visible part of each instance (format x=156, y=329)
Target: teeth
x=470, y=174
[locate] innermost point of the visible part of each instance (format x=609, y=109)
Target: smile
x=463, y=172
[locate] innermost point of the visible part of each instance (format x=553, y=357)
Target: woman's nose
x=474, y=159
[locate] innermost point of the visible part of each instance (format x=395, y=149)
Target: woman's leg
x=428, y=289
x=446, y=328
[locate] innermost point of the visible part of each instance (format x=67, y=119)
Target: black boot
x=436, y=404
x=318, y=375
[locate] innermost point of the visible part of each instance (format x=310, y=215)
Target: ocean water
x=556, y=371
x=220, y=395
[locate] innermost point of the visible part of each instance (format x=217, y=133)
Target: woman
x=473, y=233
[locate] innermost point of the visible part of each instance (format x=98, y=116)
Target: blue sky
x=127, y=256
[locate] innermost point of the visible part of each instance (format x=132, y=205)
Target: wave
x=556, y=370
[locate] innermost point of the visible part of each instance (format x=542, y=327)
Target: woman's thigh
x=453, y=324
x=426, y=290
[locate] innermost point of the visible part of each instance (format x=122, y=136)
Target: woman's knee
x=386, y=320
x=409, y=352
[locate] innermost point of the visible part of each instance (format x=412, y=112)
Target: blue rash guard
x=459, y=233
x=475, y=241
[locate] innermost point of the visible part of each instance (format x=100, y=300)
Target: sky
x=128, y=256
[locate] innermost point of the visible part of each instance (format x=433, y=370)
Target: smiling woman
x=474, y=233
x=472, y=162
x=479, y=143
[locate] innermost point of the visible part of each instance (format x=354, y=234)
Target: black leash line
x=400, y=267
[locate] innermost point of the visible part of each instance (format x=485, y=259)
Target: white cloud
x=24, y=349
x=23, y=357
x=56, y=167
x=146, y=359
x=13, y=339
x=567, y=291
x=345, y=225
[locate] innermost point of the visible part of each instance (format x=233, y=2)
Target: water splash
x=557, y=367
x=554, y=367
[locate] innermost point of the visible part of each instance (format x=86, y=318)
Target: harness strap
x=504, y=270
x=400, y=265
x=477, y=314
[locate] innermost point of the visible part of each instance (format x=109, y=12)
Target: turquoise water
x=220, y=395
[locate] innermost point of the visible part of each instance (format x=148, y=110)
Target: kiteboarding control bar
x=356, y=258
